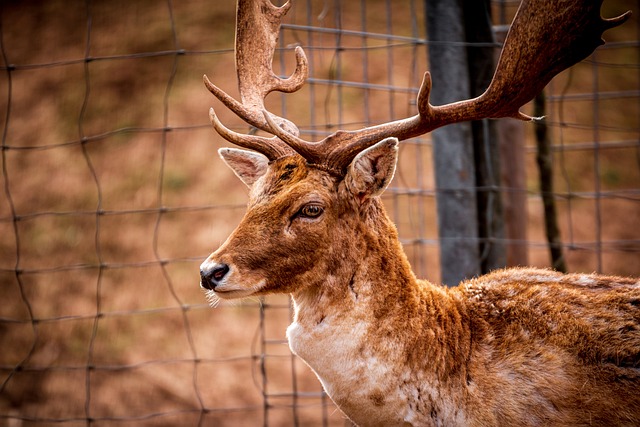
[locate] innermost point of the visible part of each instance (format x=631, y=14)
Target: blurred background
x=113, y=194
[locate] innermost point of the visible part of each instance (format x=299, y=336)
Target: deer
x=515, y=347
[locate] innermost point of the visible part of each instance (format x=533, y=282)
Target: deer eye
x=310, y=211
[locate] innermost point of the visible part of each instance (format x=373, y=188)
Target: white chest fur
x=365, y=387
x=367, y=375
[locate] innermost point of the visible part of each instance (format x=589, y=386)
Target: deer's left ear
x=247, y=165
x=372, y=170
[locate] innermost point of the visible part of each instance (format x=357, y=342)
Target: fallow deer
x=516, y=347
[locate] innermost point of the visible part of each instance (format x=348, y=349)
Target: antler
x=257, y=29
x=545, y=38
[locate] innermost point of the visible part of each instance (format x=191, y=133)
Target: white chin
x=214, y=298
x=232, y=292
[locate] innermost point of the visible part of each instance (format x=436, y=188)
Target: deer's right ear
x=247, y=165
x=372, y=170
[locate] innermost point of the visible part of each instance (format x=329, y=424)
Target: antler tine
x=272, y=147
x=545, y=38
x=257, y=28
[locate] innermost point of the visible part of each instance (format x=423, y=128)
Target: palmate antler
x=257, y=29
x=545, y=38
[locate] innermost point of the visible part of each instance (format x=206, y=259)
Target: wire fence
x=113, y=195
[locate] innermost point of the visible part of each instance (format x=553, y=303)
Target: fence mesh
x=113, y=195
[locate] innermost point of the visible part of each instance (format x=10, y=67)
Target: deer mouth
x=230, y=290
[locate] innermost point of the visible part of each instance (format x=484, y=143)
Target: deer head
x=313, y=205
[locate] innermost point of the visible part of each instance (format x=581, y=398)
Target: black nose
x=210, y=277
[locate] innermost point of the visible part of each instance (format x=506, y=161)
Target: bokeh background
x=113, y=194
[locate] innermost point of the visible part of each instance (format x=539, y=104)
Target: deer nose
x=212, y=275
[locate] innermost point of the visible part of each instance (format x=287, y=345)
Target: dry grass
x=157, y=353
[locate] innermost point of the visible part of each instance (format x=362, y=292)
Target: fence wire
x=113, y=195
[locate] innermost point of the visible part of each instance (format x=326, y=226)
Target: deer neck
x=369, y=271
x=373, y=312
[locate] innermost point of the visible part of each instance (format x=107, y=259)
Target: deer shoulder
x=556, y=342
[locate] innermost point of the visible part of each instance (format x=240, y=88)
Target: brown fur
x=519, y=347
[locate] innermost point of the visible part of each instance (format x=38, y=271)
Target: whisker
x=212, y=298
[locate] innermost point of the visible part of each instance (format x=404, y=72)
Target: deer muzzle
x=212, y=274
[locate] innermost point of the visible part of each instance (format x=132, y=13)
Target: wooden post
x=452, y=145
x=545, y=166
x=480, y=57
x=514, y=178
